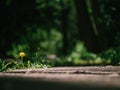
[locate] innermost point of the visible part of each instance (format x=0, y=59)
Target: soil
x=62, y=78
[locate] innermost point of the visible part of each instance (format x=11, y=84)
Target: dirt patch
x=94, y=77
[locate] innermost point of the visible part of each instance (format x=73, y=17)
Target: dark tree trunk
x=86, y=29
x=3, y=26
x=64, y=29
x=96, y=14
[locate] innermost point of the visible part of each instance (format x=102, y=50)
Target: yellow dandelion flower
x=22, y=54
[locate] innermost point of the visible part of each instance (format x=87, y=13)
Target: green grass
x=13, y=64
x=40, y=60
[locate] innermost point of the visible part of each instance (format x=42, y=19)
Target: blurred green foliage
x=44, y=27
x=46, y=42
x=112, y=54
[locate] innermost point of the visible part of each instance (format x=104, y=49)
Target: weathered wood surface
x=62, y=78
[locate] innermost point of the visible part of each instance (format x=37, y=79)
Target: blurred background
x=78, y=29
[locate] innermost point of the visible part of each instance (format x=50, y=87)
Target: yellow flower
x=22, y=54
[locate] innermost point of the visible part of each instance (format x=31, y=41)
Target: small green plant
x=112, y=54
x=40, y=58
x=4, y=65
